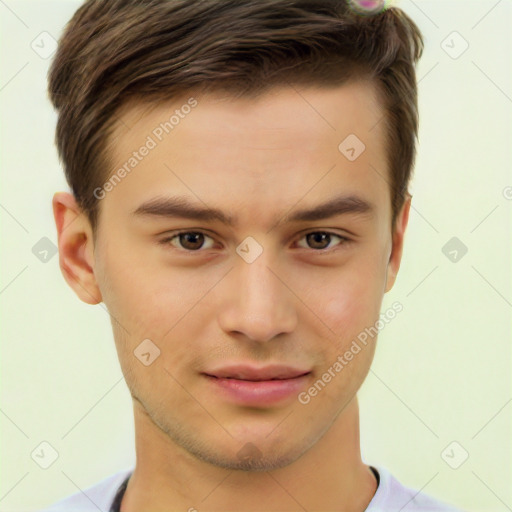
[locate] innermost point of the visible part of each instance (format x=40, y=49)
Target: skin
x=299, y=303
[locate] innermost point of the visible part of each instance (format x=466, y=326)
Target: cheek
x=352, y=300
x=160, y=304
x=147, y=295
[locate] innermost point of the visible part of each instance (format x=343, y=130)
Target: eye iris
x=314, y=238
x=191, y=240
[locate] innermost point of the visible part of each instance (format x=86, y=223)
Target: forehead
x=351, y=106
x=257, y=153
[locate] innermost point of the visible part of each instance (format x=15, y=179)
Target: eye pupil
x=190, y=240
x=318, y=237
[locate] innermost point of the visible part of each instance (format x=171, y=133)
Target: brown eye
x=189, y=241
x=321, y=240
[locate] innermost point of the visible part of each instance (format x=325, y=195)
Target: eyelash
x=168, y=240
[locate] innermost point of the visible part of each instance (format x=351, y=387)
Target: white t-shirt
x=391, y=496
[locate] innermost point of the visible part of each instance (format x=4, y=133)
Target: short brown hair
x=113, y=51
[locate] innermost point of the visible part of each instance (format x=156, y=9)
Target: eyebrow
x=181, y=207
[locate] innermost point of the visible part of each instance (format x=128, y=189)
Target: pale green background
x=442, y=368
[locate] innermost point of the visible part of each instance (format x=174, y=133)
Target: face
x=250, y=304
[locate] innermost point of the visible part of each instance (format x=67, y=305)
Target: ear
x=76, y=249
x=397, y=244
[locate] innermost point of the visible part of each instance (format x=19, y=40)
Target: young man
x=239, y=175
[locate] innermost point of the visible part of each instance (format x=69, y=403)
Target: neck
x=328, y=476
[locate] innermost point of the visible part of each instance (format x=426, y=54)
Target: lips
x=254, y=374
x=269, y=386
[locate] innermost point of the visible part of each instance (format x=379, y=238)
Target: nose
x=256, y=302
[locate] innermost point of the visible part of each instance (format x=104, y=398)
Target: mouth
x=257, y=380
x=258, y=386
x=248, y=373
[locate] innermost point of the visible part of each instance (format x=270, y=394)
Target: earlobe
x=76, y=247
x=397, y=244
